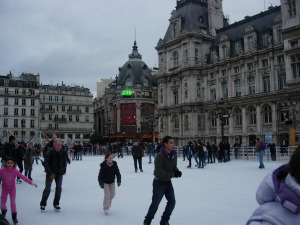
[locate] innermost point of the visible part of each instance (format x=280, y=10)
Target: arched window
x=146, y=82
x=252, y=115
x=238, y=117
x=175, y=59
x=267, y=112
x=128, y=82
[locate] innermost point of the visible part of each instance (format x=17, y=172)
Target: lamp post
x=223, y=113
x=152, y=122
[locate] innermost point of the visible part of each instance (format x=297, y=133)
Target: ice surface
x=219, y=194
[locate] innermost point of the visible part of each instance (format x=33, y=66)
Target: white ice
x=219, y=194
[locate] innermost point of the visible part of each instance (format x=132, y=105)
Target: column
x=274, y=122
x=244, y=126
x=258, y=120
x=118, y=117
x=138, y=115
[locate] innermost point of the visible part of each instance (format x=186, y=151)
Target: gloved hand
x=119, y=184
x=102, y=186
x=52, y=176
x=177, y=173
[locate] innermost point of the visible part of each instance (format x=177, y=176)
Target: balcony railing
x=67, y=129
x=75, y=111
x=47, y=110
x=60, y=119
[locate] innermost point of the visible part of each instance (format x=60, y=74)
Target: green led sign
x=127, y=92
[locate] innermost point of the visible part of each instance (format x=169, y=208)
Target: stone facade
x=252, y=66
x=66, y=111
x=19, y=105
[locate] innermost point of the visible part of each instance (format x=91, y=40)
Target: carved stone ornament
x=217, y=4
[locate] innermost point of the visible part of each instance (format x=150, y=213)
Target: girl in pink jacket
x=9, y=174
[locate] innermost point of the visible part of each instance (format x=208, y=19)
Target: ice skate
x=14, y=218
x=42, y=208
x=106, y=211
x=56, y=208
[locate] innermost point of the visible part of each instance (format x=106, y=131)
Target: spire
x=135, y=54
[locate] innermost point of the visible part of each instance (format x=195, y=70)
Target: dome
x=135, y=71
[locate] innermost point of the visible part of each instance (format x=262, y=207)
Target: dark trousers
x=137, y=159
x=58, y=181
x=20, y=165
x=161, y=189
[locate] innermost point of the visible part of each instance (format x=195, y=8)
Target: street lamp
x=152, y=122
x=223, y=113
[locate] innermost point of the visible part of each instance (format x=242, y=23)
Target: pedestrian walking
x=137, y=156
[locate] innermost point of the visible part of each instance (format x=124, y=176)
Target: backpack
x=262, y=146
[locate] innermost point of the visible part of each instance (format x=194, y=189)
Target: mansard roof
x=261, y=22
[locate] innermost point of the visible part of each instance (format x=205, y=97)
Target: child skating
x=109, y=170
x=9, y=174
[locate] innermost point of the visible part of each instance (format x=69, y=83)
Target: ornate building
x=235, y=82
x=19, y=105
x=129, y=104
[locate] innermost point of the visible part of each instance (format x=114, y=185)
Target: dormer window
x=6, y=82
x=59, y=90
x=250, y=43
x=265, y=40
x=292, y=8
x=225, y=51
x=146, y=82
x=129, y=82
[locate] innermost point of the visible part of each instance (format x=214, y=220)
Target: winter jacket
x=279, y=199
x=9, y=177
x=137, y=151
x=108, y=173
x=200, y=150
x=29, y=153
x=20, y=154
x=9, y=150
x=56, y=162
x=165, y=164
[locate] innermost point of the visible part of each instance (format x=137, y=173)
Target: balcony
x=68, y=129
x=60, y=119
x=47, y=110
x=75, y=111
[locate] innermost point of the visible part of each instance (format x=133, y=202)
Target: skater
x=137, y=156
x=260, y=149
x=9, y=150
x=30, y=153
x=56, y=166
x=109, y=170
x=165, y=168
x=20, y=157
x=9, y=174
x=279, y=195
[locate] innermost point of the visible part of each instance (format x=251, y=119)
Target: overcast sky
x=82, y=41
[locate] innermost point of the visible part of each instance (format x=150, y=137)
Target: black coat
x=9, y=150
x=137, y=151
x=56, y=162
x=107, y=174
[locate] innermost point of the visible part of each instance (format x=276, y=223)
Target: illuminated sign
x=127, y=92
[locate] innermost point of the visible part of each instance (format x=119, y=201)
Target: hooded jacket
x=279, y=199
x=108, y=173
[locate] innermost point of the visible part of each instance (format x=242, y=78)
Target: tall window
x=146, y=82
x=265, y=62
x=225, y=51
x=175, y=31
x=5, y=111
x=236, y=48
x=16, y=101
x=224, y=91
x=280, y=59
x=238, y=117
x=196, y=56
x=5, y=90
x=213, y=119
x=198, y=90
x=282, y=81
x=295, y=65
x=32, y=112
x=175, y=59
x=32, y=123
x=199, y=122
x=5, y=101
x=224, y=73
x=161, y=96
x=32, y=102
x=237, y=86
x=5, y=123
x=186, y=122
x=252, y=116
x=292, y=8
x=250, y=41
x=23, y=112
x=128, y=82
x=176, y=99
x=186, y=91
x=236, y=69
x=16, y=111
x=213, y=94
x=251, y=81
x=176, y=122
x=250, y=66
x=279, y=35
x=23, y=101
x=266, y=81
x=267, y=112
x=16, y=121
x=265, y=40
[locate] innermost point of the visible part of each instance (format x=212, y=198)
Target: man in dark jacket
x=49, y=145
x=165, y=167
x=20, y=157
x=137, y=156
x=55, y=165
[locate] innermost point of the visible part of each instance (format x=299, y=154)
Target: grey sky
x=82, y=41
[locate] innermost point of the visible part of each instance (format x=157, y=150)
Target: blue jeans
x=196, y=157
x=58, y=180
x=79, y=156
x=201, y=163
x=151, y=152
x=260, y=158
x=161, y=189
